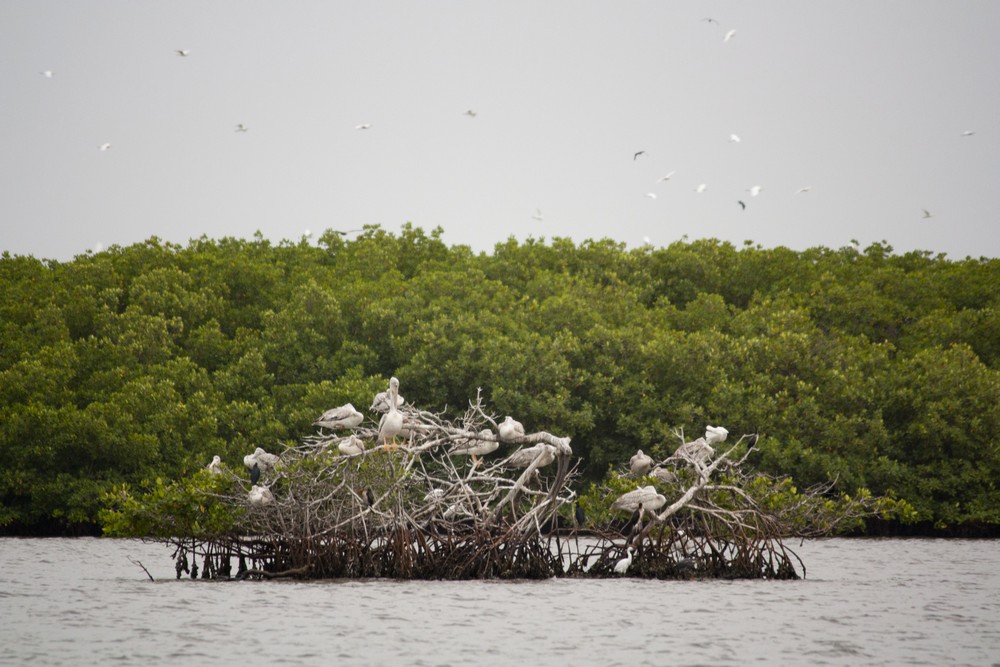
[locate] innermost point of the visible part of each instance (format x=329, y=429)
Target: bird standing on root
x=346, y=416
x=640, y=463
x=645, y=496
x=509, y=429
x=621, y=567
x=392, y=421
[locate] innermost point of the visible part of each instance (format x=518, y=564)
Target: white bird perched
x=392, y=421
x=351, y=445
x=509, y=429
x=261, y=495
x=621, y=567
x=215, y=467
x=474, y=447
x=381, y=401
x=645, y=496
x=183, y=53
x=240, y=127
x=664, y=475
x=697, y=451
x=640, y=463
x=701, y=188
x=729, y=35
x=363, y=126
x=715, y=434
x=734, y=139
x=754, y=190
x=104, y=147
x=264, y=460
x=523, y=458
x=346, y=416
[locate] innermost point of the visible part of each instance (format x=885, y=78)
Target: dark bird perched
x=579, y=516
x=370, y=497
x=254, y=473
x=751, y=441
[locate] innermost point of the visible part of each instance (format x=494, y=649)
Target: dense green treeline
x=141, y=362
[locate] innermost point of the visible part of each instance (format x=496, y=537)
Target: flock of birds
x=392, y=425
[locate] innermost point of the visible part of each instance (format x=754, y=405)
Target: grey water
x=862, y=602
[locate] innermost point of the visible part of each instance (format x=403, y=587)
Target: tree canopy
x=874, y=369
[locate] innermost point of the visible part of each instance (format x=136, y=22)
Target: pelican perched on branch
x=474, y=447
x=381, y=401
x=640, y=463
x=215, y=467
x=264, y=460
x=346, y=416
x=645, y=497
x=697, y=451
x=351, y=446
x=509, y=429
x=261, y=495
x=392, y=421
x=523, y=458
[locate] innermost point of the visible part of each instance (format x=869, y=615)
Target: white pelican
x=263, y=460
x=645, y=496
x=523, y=458
x=509, y=429
x=392, y=421
x=261, y=495
x=484, y=444
x=381, y=401
x=715, y=434
x=215, y=467
x=664, y=475
x=351, y=446
x=640, y=463
x=621, y=567
x=338, y=418
x=697, y=451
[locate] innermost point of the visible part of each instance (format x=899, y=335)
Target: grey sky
x=864, y=102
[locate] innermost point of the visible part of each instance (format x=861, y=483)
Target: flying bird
x=240, y=127
x=104, y=147
x=701, y=188
x=538, y=215
x=729, y=35
x=666, y=177
x=967, y=133
x=637, y=154
x=927, y=214
x=651, y=195
x=754, y=190
x=183, y=53
x=735, y=139
x=363, y=126
x=740, y=202
x=806, y=188
x=470, y=113
x=711, y=20
x=47, y=74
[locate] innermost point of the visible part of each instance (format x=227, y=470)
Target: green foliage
x=876, y=370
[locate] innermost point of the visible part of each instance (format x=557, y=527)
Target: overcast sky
x=867, y=104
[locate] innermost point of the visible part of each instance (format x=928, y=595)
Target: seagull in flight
x=363, y=126
x=637, y=154
x=711, y=20
x=754, y=191
x=927, y=214
x=665, y=178
x=729, y=35
x=700, y=188
x=104, y=147
x=538, y=215
x=805, y=188
x=740, y=202
x=47, y=74
x=183, y=53
x=734, y=139
x=967, y=133
x=651, y=195
x=240, y=127
x=470, y=113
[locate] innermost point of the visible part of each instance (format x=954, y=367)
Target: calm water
x=863, y=602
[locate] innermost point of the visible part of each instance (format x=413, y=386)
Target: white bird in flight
x=240, y=127
x=363, y=126
x=104, y=147
x=47, y=74
x=729, y=35
x=667, y=177
x=754, y=190
x=651, y=195
x=538, y=215
x=701, y=188
x=967, y=133
x=733, y=138
x=805, y=188
x=183, y=53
